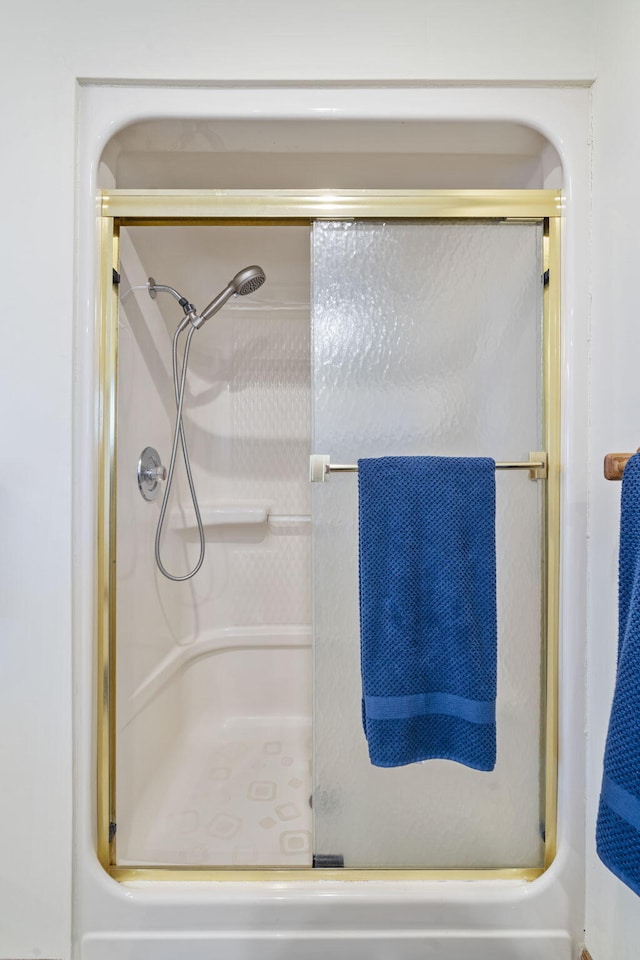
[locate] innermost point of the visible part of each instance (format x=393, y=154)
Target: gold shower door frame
x=289, y=207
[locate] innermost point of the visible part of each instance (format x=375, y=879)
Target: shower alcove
x=411, y=307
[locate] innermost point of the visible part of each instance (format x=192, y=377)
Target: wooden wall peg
x=614, y=464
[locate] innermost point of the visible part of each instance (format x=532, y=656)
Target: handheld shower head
x=244, y=282
x=248, y=280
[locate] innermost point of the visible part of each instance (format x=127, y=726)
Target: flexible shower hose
x=178, y=433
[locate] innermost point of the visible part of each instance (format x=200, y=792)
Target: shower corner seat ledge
x=222, y=514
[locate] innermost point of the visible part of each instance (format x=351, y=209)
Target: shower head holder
x=247, y=280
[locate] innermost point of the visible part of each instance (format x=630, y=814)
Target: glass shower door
x=427, y=340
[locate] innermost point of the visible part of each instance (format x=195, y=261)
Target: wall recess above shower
x=290, y=154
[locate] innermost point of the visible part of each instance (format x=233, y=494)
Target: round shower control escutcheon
x=150, y=472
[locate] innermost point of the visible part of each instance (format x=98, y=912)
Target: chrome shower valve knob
x=155, y=473
x=150, y=473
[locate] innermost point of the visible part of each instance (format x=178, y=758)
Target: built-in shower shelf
x=241, y=513
x=245, y=513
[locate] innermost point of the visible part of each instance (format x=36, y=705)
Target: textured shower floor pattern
x=236, y=795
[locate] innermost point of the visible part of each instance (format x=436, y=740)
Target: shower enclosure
x=413, y=323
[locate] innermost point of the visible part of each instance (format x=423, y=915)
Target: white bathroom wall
x=613, y=911
x=47, y=49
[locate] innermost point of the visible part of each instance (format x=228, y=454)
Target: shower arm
x=155, y=288
x=191, y=315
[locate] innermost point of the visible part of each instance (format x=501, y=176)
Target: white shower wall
x=213, y=674
x=147, y=612
x=147, y=609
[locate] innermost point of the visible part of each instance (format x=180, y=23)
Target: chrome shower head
x=244, y=282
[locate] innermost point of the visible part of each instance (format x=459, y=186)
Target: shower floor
x=236, y=795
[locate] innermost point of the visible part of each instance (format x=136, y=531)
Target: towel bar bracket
x=540, y=472
x=614, y=464
x=320, y=466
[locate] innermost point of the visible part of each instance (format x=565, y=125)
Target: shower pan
x=392, y=323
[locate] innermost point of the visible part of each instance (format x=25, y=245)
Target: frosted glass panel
x=427, y=341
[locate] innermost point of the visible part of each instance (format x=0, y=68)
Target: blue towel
x=428, y=609
x=618, y=827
